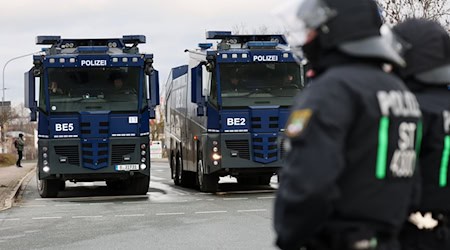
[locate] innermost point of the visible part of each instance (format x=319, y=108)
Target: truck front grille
x=71, y=152
x=242, y=146
x=119, y=150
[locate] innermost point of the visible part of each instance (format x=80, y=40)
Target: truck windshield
x=245, y=84
x=93, y=89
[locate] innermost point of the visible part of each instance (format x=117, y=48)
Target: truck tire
x=208, y=183
x=178, y=171
x=139, y=185
x=48, y=188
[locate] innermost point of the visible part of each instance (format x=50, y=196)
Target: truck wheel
x=139, y=185
x=178, y=171
x=208, y=183
x=48, y=188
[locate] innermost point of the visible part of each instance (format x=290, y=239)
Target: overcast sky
x=171, y=26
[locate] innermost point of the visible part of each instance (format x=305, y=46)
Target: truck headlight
x=216, y=156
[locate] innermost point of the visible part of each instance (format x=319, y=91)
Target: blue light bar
x=217, y=34
x=133, y=39
x=92, y=49
x=47, y=39
x=205, y=45
x=262, y=44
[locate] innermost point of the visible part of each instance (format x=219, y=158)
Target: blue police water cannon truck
x=95, y=99
x=227, y=109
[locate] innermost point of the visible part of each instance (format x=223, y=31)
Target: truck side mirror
x=197, y=89
x=30, y=90
x=153, y=86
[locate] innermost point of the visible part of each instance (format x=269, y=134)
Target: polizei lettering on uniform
x=397, y=103
x=93, y=63
x=265, y=58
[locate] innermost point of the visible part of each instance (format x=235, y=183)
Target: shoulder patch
x=297, y=122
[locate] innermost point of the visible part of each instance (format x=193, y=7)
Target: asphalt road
x=88, y=216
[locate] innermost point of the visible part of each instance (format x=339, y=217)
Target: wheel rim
x=179, y=169
x=174, y=167
x=200, y=172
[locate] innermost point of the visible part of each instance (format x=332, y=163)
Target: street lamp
x=3, y=97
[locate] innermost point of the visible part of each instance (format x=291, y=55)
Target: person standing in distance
x=19, y=144
x=428, y=75
x=349, y=174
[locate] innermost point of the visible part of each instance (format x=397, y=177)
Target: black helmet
x=428, y=59
x=20, y=135
x=351, y=26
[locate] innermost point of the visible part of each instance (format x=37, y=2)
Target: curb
x=10, y=200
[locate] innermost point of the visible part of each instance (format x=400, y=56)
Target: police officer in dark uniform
x=352, y=134
x=428, y=75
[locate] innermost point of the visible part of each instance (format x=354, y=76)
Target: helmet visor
x=300, y=17
x=396, y=42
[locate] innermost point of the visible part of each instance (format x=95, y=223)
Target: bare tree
x=7, y=115
x=394, y=11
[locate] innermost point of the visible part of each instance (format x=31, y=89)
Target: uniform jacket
x=351, y=141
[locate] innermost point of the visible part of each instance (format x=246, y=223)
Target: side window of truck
x=213, y=97
x=42, y=104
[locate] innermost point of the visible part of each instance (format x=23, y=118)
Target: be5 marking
x=65, y=127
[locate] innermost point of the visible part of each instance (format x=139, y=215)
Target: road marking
x=33, y=206
x=87, y=216
x=209, y=199
x=46, y=218
x=12, y=219
x=95, y=198
x=198, y=199
x=211, y=212
x=129, y=215
x=251, y=210
x=67, y=205
x=12, y=237
x=169, y=214
x=234, y=199
x=247, y=192
x=267, y=197
x=102, y=203
x=135, y=202
x=31, y=231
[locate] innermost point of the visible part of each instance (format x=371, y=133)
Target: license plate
x=127, y=167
